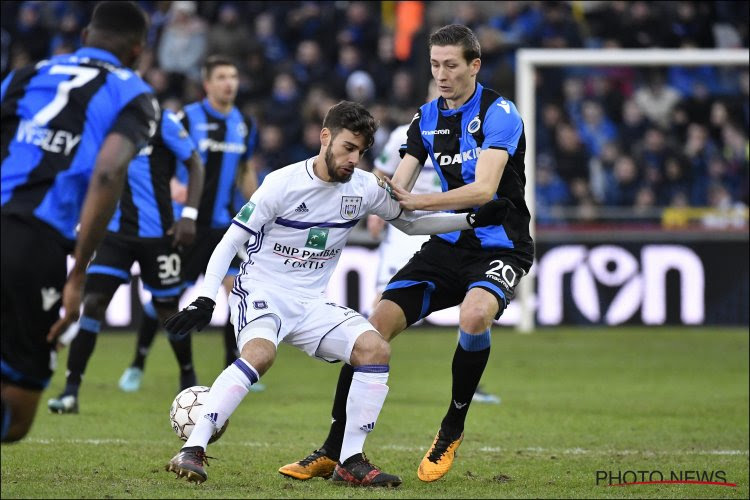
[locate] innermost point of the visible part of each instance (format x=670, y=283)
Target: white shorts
x=395, y=251
x=319, y=327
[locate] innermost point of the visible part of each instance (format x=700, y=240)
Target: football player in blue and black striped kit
x=70, y=126
x=144, y=230
x=226, y=140
x=475, y=139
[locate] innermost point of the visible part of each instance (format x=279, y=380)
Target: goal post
x=527, y=60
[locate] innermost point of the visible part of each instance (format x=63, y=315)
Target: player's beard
x=331, y=167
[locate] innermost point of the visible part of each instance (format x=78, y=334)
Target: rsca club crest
x=350, y=206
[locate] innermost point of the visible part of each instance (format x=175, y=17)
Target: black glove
x=194, y=317
x=492, y=213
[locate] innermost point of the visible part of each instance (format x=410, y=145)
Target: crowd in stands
x=618, y=137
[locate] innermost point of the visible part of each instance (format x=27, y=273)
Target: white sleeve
x=220, y=260
x=380, y=201
x=433, y=223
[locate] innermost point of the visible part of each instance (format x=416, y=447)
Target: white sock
x=228, y=390
x=366, y=397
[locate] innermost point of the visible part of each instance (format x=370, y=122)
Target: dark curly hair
x=351, y=116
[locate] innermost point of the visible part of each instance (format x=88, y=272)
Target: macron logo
x=302, y=208
x=368, y=427
x=442, y=131
x=459, y=405
x=505, y=106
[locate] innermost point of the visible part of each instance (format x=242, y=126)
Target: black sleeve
x=138, y=120
x=414, y=145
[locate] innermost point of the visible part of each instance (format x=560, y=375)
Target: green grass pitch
x=574, y=402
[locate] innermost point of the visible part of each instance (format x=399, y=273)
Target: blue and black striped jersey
x=454, y=138
x=145, y=208
x=223, y=142
x=55, y=116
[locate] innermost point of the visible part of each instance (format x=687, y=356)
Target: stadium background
x=642, y=218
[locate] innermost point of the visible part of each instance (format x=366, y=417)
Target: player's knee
x=476, y=317
x=16, y=421
x=17, y=430
x=95, y=305
x=370, y=349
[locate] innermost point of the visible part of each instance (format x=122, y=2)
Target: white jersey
x=428, y=180
x=397, y=248
x=300, y=224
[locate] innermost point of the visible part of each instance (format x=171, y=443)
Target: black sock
x=231, y=352
x=468, y=367
x=146, y=333
x=78, y=357
x=335, y=437
x=183, y=352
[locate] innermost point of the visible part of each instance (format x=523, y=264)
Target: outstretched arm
x=489, y=214
x=220, y=260
x=431, y=223
x=103, y=193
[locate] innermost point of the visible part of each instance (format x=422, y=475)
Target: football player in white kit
x=294, y=229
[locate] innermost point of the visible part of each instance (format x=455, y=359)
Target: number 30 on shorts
x=169, y=266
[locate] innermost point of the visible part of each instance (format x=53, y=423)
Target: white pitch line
x=396, y=447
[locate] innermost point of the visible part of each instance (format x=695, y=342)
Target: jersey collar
x=98, y=54
x=465, y=106
x=213, y=112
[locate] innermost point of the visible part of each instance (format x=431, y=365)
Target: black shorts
x=440, y=275
x=34, y=270
x=160, y=265
x=197, y=255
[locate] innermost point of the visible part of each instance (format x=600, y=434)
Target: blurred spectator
x=675, y=182
x=657, y=99
x=359, y=29
x=68, y=37
x=310, y=144
x=29, y=35
x=642, y=27
x=282, y=109
x=183, y=43
x=622, y=183
x=228, y=36
x=570, y=156
x=551, y=191
x=594, y=128
x=274, y=47
x=557, y=29
x=309, y=67
x=699, y=149
x=360, y=88
x=726, y=213
x=271, y=153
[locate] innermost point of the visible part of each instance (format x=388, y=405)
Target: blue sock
x=476, y=342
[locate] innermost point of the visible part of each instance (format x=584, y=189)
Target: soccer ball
x=187, y=409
